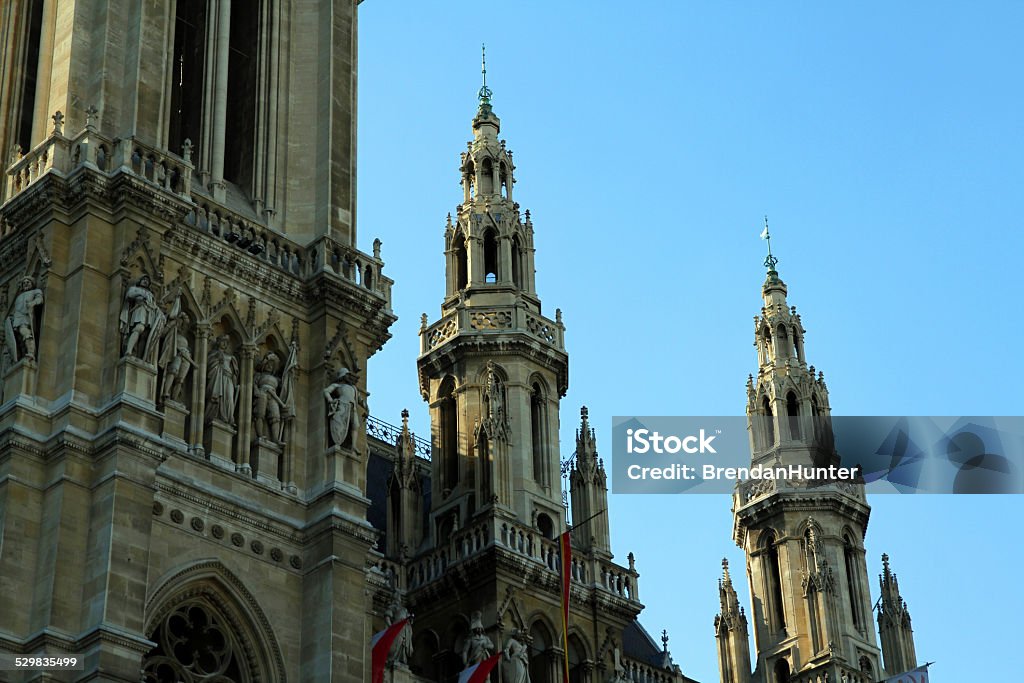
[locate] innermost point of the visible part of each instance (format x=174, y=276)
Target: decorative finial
x=769, y=261
x=584, y=413
x=405, y=419
x=485, y=92
x=725, y=567
x=664, y=640
x=58, y=122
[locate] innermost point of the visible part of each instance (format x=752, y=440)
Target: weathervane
x=769, y=261
x=485, y=92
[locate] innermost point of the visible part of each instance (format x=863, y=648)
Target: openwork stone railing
x=753, y=489
x=59, y=154
x=846, y=675
x=527, y=543
x=640, y=672
x=495, y=319
x=389, y=433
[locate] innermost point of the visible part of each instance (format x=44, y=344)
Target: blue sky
x=883, y=141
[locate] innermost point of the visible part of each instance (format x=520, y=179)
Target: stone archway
x=208, y=628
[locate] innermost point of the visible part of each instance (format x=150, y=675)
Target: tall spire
x=485, y=93
x=894, y=624
x=731, y=633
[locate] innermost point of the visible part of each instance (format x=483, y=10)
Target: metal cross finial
x=485, y=92
x=770, y=261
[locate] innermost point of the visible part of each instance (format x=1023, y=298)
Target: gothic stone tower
x=187, y=322
x=493, y=369
x=803, y=540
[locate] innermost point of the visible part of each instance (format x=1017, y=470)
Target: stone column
x=203, y=334
x=220, y=98
x=505, y=267
x=245, y=410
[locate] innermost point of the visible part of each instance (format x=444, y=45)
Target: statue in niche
x=20, y=325
x=272, y=396
x=175, y=358
x=401, y=651
x=478, y=646
x=221, y=382
x=341, y=396
x=141, y=317
x=618, y=670
x=517, y=658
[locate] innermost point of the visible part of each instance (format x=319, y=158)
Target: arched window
x=545, y=526
x=243, y=92
x=769, y=422
x=490, y=256
x=766, y=335
x=469, y=179
x=793, y=413
x=425, y=652
x=505, y=183
x=538, y=435
x=780, y=673
x=866, y=667
x=485, y=467
x=775, y=608
x=449, y=436
x=460, y=262
x=27, y=80
x=577, y=660
x=852, y=581
x=816, y=417
x=540, y=660
x=185, y=121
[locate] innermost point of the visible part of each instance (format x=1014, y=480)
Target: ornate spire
x=894, y=625
x=485, y=93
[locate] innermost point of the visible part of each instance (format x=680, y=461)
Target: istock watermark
x=899, y=454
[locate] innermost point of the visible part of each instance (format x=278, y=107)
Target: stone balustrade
x=492, y=319
x=641, y=672
x=61, y=155
x=846, y=675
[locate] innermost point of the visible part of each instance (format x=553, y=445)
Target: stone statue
x=401, y=651
x=221, y=382
x=341, y=405
x=271, y=395
x=175, y=358
x=478, y=646
x=19, y=328
x=141, y=317
x=517, y=659
x=495, y=394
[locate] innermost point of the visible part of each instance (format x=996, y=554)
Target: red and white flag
x=918, y=675
x=380, y=647
x=478, y=673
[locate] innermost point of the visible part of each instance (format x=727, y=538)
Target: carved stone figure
x=495, y=395
x=401, y=651
x=478, y=646
x=341, y=405
x=175, y=357
x=221, y=382
x=141, y=320
x=517, y=659
x=271, y=396
x=618, y=670
x=19, y=328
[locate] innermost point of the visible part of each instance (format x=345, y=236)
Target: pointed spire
x=770, y=261
x=484, y=95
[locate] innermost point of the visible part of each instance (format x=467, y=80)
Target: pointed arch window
x=782, y=345
x=27, y=79
x=491, y=256
x=766, y=336
x=185, y=120
x=538, y=435
x=768, y=421
x=486, y=177
x=460, y=262
x=775, y=609
x=540, y=659
x=449, y=437
x=853, y=582
x=780, y=673
x=505, y=182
